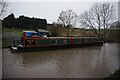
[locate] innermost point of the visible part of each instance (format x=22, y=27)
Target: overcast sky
x=50, y=10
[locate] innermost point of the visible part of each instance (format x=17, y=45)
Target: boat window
x=64, y=41
x=35, y=35
x=54, y=41
x=28, y=34
x=32, y=34
x=78, y=40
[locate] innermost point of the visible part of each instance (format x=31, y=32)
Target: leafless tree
x=86, y=21
x=3, y=5
x=68, y=19
x=99, y=16
x=95, y=16
x=107, y=16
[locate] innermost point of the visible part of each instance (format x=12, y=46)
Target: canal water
x=84, y=62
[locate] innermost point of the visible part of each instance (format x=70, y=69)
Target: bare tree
x=3, y=5
x=95, y=16
x=99, y=16
x=92, y=19
x=86, y=21
x=107, y=16
x=68, y=20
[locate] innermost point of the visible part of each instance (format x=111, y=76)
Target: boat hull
x=56, y=47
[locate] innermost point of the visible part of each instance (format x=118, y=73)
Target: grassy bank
x=8, y=34
x=18, y=32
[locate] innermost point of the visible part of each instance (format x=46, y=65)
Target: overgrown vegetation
x=61, y=31
x=23, y=22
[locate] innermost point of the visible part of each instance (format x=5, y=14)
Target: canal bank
x=84, y=62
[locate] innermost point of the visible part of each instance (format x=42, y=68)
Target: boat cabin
x=37, y=33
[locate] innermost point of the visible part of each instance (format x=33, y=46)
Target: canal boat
x=38, y=39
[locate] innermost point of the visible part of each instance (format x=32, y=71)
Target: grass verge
x=7, y=35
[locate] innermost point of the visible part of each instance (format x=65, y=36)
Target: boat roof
x=41, y=30
x=29, y=31
x=38, y=30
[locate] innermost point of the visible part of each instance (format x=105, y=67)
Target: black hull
x=56, y=47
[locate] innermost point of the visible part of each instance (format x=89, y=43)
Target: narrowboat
x=40, y=40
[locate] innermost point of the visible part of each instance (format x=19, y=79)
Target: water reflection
x=86, y=62
x=64, y=64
